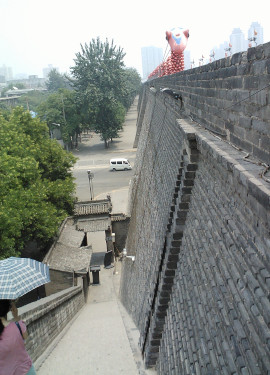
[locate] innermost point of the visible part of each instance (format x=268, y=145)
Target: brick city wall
x=229, y=96
x=198, y=289
x=48, y=317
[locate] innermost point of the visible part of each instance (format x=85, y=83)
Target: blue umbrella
x=19, y=276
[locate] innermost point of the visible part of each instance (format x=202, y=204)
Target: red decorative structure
x=177, y=39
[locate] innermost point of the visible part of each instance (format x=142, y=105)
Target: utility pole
x=91, y=188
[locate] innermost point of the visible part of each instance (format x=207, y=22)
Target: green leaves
x=36, y=185
x=102, y=86
x=62, y=108
x=57, y=81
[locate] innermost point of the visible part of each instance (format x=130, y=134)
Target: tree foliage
x=32, y=99
x=57, y=81
x=36, y=186
x=132, y=86
x=102, y=86
x=109, y=119
x=62, y=108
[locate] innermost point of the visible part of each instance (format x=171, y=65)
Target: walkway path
x=101, y=339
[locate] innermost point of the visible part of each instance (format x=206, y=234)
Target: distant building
x=221, y=51
x=21, y=76
x=47, y=70
x=238, y=41
x=6, y=71
x=32, y=82
x=151, y=58
x=255, y=34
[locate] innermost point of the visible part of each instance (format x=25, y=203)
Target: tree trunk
x=76, y=140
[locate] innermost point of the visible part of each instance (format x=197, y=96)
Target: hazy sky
x=35, y=33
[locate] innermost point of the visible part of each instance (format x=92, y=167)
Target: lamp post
x=90, y=178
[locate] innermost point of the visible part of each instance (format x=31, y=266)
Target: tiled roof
x=93, y=225
x=92, y=208
x=118, y=217
x=69, y=258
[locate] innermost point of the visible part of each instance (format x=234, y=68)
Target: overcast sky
x=35, y=33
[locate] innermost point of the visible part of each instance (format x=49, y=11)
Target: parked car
x=119, y=164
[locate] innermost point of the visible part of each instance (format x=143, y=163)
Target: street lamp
x=90, y=178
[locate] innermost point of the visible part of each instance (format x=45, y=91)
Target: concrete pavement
x=94, y=156
x=102, y=338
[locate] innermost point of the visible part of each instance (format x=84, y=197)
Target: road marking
x=117, y=151
x=91, y=166
x=127, y=150
x=101, y=195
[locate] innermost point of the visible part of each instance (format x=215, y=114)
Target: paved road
x=94, y=156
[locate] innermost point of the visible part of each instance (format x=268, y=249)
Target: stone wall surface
x=199, y=229
x=46, y=318
x=230, y=96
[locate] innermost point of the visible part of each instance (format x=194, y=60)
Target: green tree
x=57, y=81
x=5, y=110
x=99, y=81
x=109, y=119
x=36, y=185
x=32, y=100
x=62, y=108
x=132, y=85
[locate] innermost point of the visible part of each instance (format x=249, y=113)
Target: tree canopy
x=62, y=108
x=32, y=100
x=36, y=186
x=102, y=86
x=57, y=81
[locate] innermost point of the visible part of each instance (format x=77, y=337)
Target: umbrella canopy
x=19, y=276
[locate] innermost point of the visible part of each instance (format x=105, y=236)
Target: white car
x=119, y=164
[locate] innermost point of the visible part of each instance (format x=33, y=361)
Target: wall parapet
x=47, y=317
x=230, y=97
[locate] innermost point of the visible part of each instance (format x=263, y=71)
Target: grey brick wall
x=199, y=228
x=150, y=211
x=46, y=318
x=219, y=312
x=230, y=96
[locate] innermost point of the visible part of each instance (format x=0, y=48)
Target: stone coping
x=248, y=173
x=37, y=309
